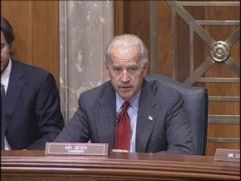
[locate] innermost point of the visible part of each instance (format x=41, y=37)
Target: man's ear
x=145, y=69
x=11, y=49
x=107, y=72
x=107, y=69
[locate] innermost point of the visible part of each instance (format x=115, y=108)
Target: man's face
x=5, y=52
x=126, y=72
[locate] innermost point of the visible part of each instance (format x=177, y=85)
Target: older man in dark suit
x=32, y=113
x=128, y=112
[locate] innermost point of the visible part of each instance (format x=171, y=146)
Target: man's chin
x=125, y=96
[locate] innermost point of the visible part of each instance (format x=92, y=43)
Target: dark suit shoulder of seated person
x=32, y=103
x=156, y=115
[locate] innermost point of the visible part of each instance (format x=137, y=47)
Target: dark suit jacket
x=168, y=131
x=33, y=113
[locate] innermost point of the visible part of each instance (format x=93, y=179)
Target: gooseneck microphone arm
x=117, y=119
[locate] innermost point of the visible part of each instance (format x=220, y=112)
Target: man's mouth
x=125, y=87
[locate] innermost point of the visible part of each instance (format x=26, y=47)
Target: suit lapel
x=16, y=82
x=105, y=116
x=147, y=116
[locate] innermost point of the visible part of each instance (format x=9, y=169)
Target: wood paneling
x=173, y=49
x=36, y=28
x=164, y=38
x=223, y=89
x=20, y=17
x=132, y=17
x=213, y=146
x=137, y=19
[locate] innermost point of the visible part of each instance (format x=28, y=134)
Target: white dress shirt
x=5, y=75
x=132, y=112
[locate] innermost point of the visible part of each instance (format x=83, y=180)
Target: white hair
x=125, y=43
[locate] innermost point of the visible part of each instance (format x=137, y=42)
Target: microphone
x=117, y=119
x=117, y=116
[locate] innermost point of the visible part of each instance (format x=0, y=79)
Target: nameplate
x=227, y=155
x=95, y=149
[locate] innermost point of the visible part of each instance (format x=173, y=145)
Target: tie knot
x=125, y=105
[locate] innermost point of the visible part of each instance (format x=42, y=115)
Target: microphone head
x=117, y=117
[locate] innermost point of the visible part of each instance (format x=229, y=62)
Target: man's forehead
x=125, y=55
x=125, y=58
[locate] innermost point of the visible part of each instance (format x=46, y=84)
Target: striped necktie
x=123, y=129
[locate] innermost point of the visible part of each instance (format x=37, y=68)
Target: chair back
x=196, y=108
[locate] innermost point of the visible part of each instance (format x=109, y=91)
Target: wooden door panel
x=35, y=25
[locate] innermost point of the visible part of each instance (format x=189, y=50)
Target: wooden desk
x=35, y=165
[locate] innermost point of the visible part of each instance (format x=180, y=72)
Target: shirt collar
x=6, y=74
x=134, y=102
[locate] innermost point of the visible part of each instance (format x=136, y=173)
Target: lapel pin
x=150, y=118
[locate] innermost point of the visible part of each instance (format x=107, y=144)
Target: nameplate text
x=95, y=149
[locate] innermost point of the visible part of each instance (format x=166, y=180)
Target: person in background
x=128, y=112
x=32, y=114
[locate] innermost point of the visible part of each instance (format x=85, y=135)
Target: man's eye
x=132, y=69
x=117, y=69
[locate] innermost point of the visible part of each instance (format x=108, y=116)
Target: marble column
x=85, y=29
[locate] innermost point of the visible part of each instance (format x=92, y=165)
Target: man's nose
x=125, y=76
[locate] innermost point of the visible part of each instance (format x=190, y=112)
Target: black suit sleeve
x=49, y=118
